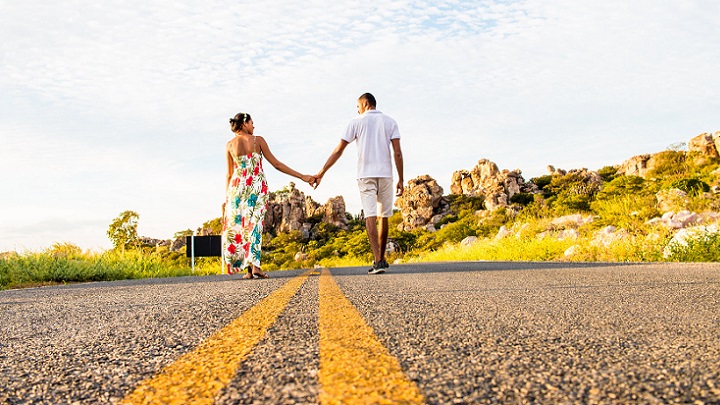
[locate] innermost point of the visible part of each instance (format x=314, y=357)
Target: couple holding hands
x=378, y=144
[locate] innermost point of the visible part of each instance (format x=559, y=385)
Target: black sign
x=204, y=245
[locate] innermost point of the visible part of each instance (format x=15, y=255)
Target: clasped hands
x=313, y=181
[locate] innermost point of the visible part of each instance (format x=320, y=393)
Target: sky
x=124, y=105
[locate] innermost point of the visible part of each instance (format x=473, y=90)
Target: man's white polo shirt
x=373, y=131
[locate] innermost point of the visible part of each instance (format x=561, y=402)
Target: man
x=375, y=133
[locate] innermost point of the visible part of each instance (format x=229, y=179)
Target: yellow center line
x=355, y=368
x=197, y=376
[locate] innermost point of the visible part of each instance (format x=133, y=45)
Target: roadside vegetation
x=624, y=202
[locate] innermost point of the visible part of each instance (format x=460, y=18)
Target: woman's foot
x=258, y=273
x=248, y=276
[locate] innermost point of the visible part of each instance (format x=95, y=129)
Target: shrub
x=703, y=248
x=608, y=173
x=542, y=181
x=623, y=185
x=693, y=187
x=522, y=198
x=669, y=163
x=574, y=192
x=627, y=211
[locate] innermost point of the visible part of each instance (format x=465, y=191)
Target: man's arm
x=334, y=156
x=397, y=154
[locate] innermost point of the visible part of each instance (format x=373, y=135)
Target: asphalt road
x=462, y=333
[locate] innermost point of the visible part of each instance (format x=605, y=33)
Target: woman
x=246, y=193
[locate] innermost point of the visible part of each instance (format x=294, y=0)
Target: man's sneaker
x=379, y=267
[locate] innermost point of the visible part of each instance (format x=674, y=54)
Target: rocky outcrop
x=334, y=212
x=636, y=166
x=422, y=204
x=684, y=219
x=555, y=171
x=313, y=208
x=152, y=242
x=705, y=144
x=286, y=210
x=486, y=179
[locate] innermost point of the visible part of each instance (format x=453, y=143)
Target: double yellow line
x=355, y=368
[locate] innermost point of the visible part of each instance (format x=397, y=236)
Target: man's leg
x=372, y=232
x=383, y=237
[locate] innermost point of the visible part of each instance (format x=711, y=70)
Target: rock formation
x=705, y=144
x=312, y=208
x=672, y=199
x=636, y=166
x=334, y=212
x=286, y=210
x=421, y=203
x=485, y=179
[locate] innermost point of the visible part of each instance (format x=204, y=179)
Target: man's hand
x=399, y=189
x=318, y=178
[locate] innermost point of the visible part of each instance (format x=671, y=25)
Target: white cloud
x=113, y=106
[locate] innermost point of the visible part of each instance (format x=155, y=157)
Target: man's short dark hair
x=369, y=98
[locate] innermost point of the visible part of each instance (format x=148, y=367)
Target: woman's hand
x=311, y=180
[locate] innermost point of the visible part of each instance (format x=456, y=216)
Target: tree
x=123, y=230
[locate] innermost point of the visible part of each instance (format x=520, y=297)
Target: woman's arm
x=230, y=168
x=278, y=164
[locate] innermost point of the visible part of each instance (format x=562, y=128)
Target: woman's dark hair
x=238, y=120
x=369, y=98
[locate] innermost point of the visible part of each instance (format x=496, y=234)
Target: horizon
x=124, y=106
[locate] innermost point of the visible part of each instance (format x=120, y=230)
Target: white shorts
x=376, y=195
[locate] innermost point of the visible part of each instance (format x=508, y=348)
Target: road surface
x=441, y=333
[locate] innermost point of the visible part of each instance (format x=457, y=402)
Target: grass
x=67, y=264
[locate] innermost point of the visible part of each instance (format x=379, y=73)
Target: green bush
x=693, y=187
x=608, y=173
x=703, y=248
x=669, y=164
x=522, y=198
x=542, y=181
x=574, y=192
x=623, y=185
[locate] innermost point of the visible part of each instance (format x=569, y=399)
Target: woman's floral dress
x=245, y=205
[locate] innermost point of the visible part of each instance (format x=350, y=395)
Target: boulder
x=672, y=199
x=572, y=250
x=285, y=210
x=568, y=234
x=503, y=232
x=636, y=166
x=468, y=241
x=571, y=221
x=486, y=179
x=608, y=235
x=683, y=236
x=147, y=241
x=421, y=203
x=313, y=208
x=334, y=212
x=704, y=144
x=684, y=219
